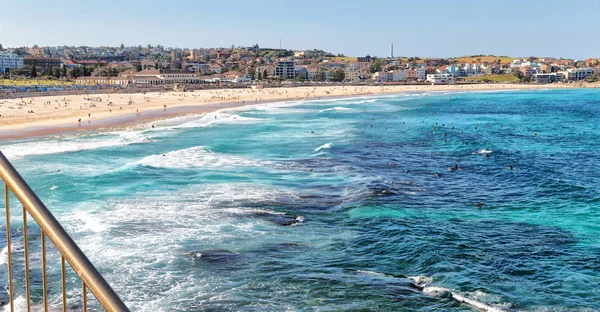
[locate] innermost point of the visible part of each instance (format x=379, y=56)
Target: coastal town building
x=285, y=70
x=399, y=75
x=163, y=77
x=411, y=74
x=421, y=73
x=547, y=77
x=577, y=73
x=365, y=59
x=352, y=74
x=149, y=77
x=10, y=61
x=439, y=78
x=42, y=62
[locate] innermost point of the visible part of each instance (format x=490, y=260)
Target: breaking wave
x=322, y=147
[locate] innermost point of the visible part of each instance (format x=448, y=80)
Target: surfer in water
x=453, y=167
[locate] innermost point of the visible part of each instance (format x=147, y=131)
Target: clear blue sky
x=426, y=28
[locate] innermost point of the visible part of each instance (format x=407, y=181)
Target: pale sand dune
x=67, y=110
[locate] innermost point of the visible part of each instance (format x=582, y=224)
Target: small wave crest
x=73, y=144
x=483, y=151
x=338, y=108
x=367, y=272
x=473, y=299
x=322, y=147
x=421, y=281
x=217, y=118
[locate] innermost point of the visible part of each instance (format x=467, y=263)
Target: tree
x=57, y=72
x=265, y=75
x=149, y=46
x=1, y=47
x=320, y=76
x=259, y=76
x=138, y=67
x=33, y=72
x=519, y=74
x=252, y=72
x=122, y=46
x=338, y=75
x=64, y=72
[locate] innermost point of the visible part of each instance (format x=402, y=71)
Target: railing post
x=58, y=236
x=9, y=252
x=26, y=259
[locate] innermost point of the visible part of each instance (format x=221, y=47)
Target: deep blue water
x=335, y=205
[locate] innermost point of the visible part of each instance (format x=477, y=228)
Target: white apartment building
x=198, y=67
x=383, y=76
x=473, y=70
x=577, y=73
x=399, y=75
x=242, y=79
x=421, y=73
x=547, y=77
x=10, y=61
x=351, y=74
x=311, y=72
x=439, y=78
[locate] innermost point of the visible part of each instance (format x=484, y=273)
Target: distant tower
x=391, y=51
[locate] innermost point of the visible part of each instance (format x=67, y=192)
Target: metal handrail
x=68, y=249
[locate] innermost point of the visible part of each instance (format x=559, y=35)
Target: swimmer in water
x=454, y=167
x=480, y=205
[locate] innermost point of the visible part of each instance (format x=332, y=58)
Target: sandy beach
x=62, y=113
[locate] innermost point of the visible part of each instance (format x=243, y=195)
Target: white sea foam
x=53, y=187
x=19, y=305
x=483, y=151
x=463, y=298
x=221, y=118
x=337, y=108
x=367, y=272
x=4, y=255
x=90, y=222
x=420, y=280
x=73, y=144
x=198, y=157
x=154, y=228
x=322, y=147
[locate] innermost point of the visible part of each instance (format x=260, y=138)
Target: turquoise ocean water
x=334, y=205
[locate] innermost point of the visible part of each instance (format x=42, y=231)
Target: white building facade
x=421, y=73
x=439, y=78
x=351, y=74
x=10, y=61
